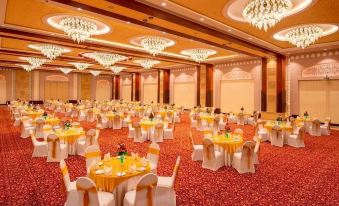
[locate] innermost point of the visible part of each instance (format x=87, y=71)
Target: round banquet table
x=121, y=178
x=286, y=129
x=229, y=145
x=70, y=137
x=207, y=118
x=34, y=114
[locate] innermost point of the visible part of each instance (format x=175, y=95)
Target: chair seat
x=72, y=186
x=37, y=143
x=237, y=155
x=130, y=197
x=62, y=146
x=105, y=198
x=294, y=136
x=164, y=182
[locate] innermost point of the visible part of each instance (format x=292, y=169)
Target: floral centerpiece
x=151, y=116
x=45, y=115
x=122, y=152
x=306, y=114
x=67, y=125
x=227, y=130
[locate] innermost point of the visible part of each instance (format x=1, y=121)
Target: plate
x=120, y=174
x=99, y=172
x=141, y=169
x=100, y=163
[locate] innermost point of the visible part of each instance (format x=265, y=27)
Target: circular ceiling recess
x=54, y=21
x=234, y=8
x=297, y=35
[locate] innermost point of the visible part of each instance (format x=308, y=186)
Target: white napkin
x=107, y=156
x=108, y=170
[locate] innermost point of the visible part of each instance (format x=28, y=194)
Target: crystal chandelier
x=49, y=50
x=26, y=67
x=95, y=73
x=154, y=45
x=80, y=66
x=78, y=28
x=266, y=13
x=65, y=70
x=303, y=36
x=199, y=55
x=105, y=59
x=146, y=63
x=35, y=62
x=116, y=69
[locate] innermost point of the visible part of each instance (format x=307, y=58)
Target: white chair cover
x=315, y=130
x=92, y=155
x=297, y=140
x=56, y=150
x=39, y=147
x=277, y=138
x=212, y=159
x=243, y=161
x=197, y=150
x=153, y=156
x=158, y=133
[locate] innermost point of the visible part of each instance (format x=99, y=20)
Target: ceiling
x=323, y=11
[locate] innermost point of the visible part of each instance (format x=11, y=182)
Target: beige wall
x=149, y=82
x=233, y=71
x=300, y=62
x=180, y=77
x=9, y=77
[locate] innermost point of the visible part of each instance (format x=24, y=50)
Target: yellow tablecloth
x=283, y=126
x=207, y=118
x=148, y=124
x=34, y=115
x=111, y=116
x=230, y=144
x=54, y=121
x=109, y=182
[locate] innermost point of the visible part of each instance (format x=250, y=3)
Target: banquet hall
x=169, y=102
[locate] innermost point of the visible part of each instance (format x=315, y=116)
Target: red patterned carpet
x=285, y=176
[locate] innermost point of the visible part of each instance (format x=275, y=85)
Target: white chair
x=277, y=138
x=232, y=118
x=215, y=124
x=168, y=132
x=26, y=126
x=87, y=195
x=165, y=193
x=56, y=150
x=90, y=116
x=117, y=123
x=194, y=122
x=39, y=148
x=315, y=129
x=126, y=121
x=211, y=159
x=90, y=139
x=47, y=130
x=144, y=194
x=81, y=115
x=139, y=134
x=153, y=156
x=222, y=122
x=70, y=186
x=130, y=131
x=326, y=127
x=261, y=131
x=256, y=152
x=243, y=161
x=241, y=119
x=74, y=113
x=197, y=150
x=177, y=117
x=297, y=140
x=157, y=135
x=17, y=119
x=92, y=155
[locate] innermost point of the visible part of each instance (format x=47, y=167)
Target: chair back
x=301, y=134
x=158, y=130
x=145, y=190
x=208, y=149
x=39, y=126
x=53, y=144
x=175, y=171
x=276, y=132
x=92, y=155
x=90, y=137
x=153, y=153
x=47, y=130
x=316, y=126
x=65, y=174
x=137, y=130
x=87, y=192
x=247, y=153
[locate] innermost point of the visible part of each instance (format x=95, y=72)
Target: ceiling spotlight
x=202, y=19
x=79, y=9
x=163, y=4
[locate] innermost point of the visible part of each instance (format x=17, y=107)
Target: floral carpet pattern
x=285, y=176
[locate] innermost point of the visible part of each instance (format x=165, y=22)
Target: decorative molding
x=314, y=55
x=237, y=74
x=184, y=69
x=237, y=63
x=322, y=70
x=103, y=82
x=58, y=78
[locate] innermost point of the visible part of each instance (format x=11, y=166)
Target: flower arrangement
x=122, y=151
x=227, y=130
x=67, y=124
x=45, y=115
x=151, y=116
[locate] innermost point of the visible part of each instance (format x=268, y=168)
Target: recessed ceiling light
x=250, y=38
x=325, y=49
x=79, y=9
x=202, y=19
x=128, y=22
x=163, y=4
x=229, y=30
x=164, y=32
